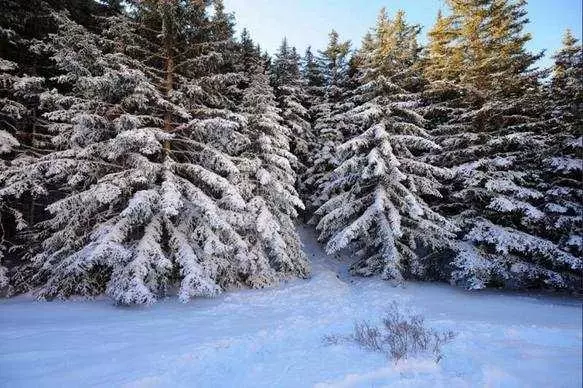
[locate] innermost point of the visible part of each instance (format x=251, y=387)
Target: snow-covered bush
x=401, y=335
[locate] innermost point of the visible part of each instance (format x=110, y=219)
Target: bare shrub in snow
x=333, y=339
x=400, y=336
x=368, y=336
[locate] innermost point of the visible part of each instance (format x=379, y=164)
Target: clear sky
x=307, y=22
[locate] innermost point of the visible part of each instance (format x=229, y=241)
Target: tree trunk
x=169, y=69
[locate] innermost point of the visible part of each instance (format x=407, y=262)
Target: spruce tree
x=272, y=198
x=314, y=84
x=24, y=67
x=449, y=106
x=250, y=54
x=153, y=200
x=567, y=84
x=376, y=193
x=312, y=74
x=488, y=49
x=501, y=205
x=491, y=138
x=562, y=165
x=329, y=127
x=442, y=60
x=290, y=94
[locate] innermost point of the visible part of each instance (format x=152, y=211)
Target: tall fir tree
x=489, y=138
x=312, y=73
x=250, y=54
x=448, y=105
x=24, y=67
x=272, y=198
x=314, y=84
x=329, y=128
x=442, y=60
x=377, y=191
x=155, y=199
x=562, y=165
x=314, y=100
x=488, y=45
x=291, y=96
x=567, y=84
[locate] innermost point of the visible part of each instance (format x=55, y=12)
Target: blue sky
x=307, y=22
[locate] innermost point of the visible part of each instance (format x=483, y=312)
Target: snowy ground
x=273, y=338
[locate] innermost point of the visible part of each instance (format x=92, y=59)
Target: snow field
x=273, y=338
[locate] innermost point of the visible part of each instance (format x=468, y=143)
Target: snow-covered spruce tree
x=249, y=55
x=314, y=83
x=290, y=95
x=329, y=127
x=448, y=106
x=25, y=73
x=314, y=99
x=150, y=200
x=563, y=166
x=12, y=111
x=23, y=67
x=492, y=146
x=486, y=47
x=567, y=84
x=377, y=190
x=272, y=198
x=500, y=206
x=11, y=115
x=442, y=61
x=450, y=109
